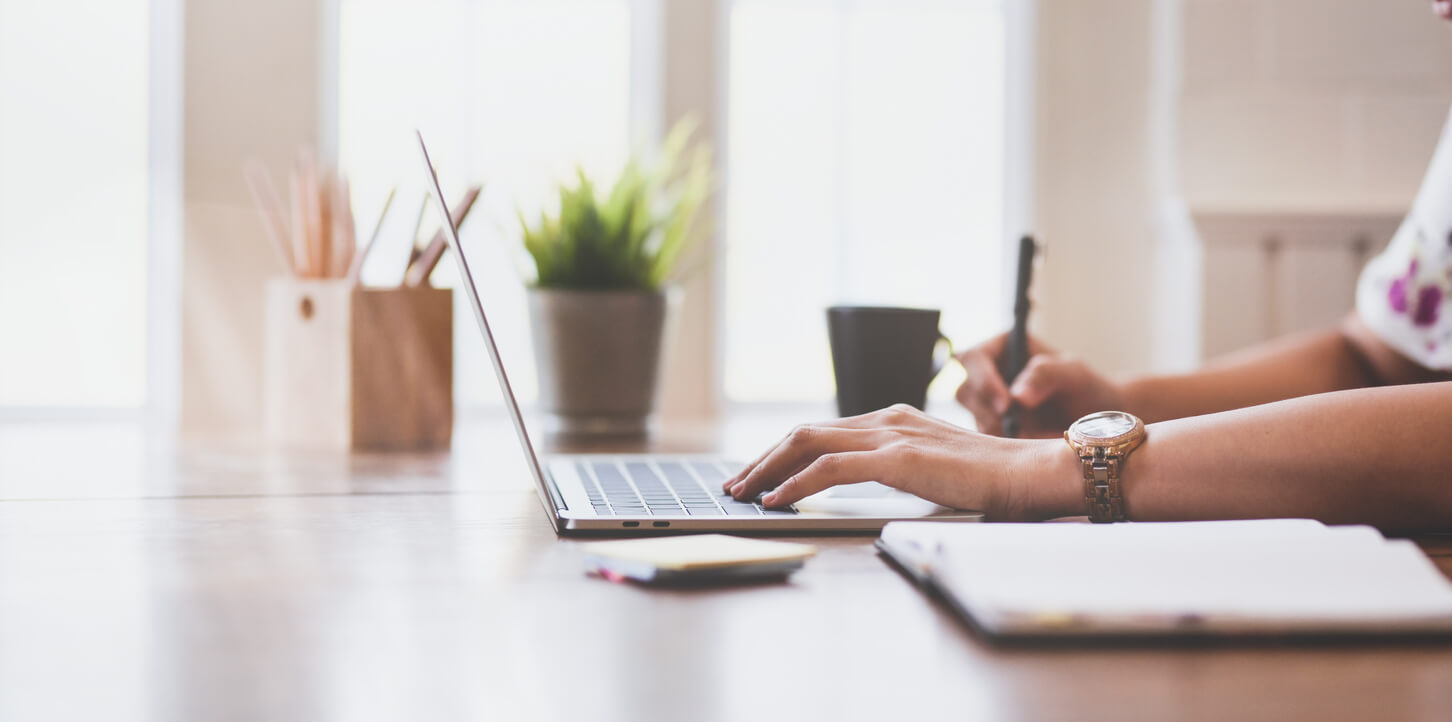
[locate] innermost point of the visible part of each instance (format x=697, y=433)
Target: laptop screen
x=466, y=278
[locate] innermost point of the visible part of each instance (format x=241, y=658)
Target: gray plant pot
x=598, y=355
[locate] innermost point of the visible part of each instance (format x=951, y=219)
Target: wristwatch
x=1102, y=442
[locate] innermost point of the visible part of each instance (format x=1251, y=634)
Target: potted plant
x=603, y=267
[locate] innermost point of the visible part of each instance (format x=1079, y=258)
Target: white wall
x=1094, y=199
x=1310, y=103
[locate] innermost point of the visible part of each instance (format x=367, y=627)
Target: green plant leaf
x=632, y=237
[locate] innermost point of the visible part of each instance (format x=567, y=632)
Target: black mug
x=883, y=355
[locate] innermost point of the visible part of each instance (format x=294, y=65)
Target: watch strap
x=1102, y=494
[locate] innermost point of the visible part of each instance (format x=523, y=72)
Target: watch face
x=1104, y=425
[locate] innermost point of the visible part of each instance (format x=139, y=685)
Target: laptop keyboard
x=663, y=488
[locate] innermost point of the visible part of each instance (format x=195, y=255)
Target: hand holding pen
x=1018, y=386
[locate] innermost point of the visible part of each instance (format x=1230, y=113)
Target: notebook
x=698, y=558
x=1276, y=576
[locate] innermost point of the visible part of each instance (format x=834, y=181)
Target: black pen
x=1016, y=354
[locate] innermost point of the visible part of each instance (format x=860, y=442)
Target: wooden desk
x=139, y=582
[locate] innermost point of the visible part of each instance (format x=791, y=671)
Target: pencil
x=324, y=229
x=312, y=216
x=269, y=208
x=355, y=269
x=300, y=249
x=342, y=235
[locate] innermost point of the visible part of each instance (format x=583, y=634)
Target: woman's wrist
x=1043, y=482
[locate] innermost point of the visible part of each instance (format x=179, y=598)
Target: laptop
x=648, y=494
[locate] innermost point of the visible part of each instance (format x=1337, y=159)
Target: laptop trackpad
x=867, y=499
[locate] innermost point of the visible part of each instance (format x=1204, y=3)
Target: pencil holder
x=366, y=369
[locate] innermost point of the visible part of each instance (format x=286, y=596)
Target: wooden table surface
x=142, y=580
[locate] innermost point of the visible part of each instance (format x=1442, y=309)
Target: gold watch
x=1103, y=441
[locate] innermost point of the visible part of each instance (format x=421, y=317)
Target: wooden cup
x=364, y=369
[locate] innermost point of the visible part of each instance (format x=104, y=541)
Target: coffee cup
x=884, y=355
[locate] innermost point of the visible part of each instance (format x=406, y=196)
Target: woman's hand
x=1052, y=391
x=906, y=449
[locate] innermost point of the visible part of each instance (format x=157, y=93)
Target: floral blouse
x=1405, y=294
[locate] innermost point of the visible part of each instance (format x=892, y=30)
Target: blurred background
x=1202, y=173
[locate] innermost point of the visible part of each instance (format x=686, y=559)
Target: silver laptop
x=642, y=494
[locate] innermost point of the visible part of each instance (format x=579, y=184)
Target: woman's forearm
x=1296, y=366
x=1378, y=456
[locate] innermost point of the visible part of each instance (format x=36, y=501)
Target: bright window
x=866, y=165
x=73, y=203
x=513, y=94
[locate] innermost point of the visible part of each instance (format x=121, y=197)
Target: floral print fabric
x=1405, y=294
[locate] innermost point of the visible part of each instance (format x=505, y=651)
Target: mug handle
x=940, y=363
